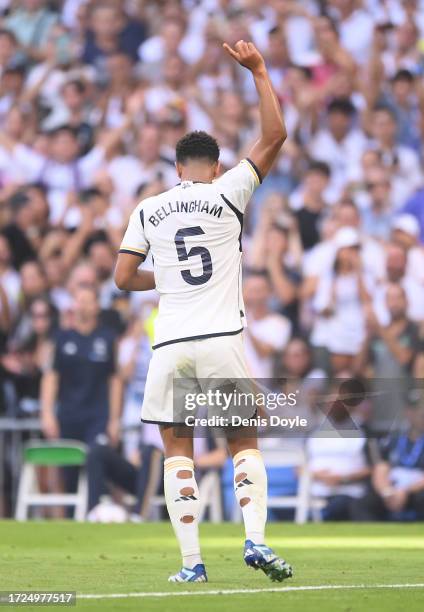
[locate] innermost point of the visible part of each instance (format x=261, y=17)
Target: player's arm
x=48, y=395
x=127, y=275
x=273, y=131
x=132, y=253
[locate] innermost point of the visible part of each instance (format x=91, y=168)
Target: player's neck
x=197, y=173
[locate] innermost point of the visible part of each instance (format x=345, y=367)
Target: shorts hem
x=175, y=423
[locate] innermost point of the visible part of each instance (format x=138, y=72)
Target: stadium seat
x=57, y=453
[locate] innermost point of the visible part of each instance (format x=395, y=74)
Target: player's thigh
x=223, y=359
x=168, y=363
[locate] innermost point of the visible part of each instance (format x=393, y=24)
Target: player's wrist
x=260, y=71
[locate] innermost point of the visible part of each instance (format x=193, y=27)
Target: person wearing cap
x=320, y=258
x=398, y=475
x=406, y=231
x=339, y=326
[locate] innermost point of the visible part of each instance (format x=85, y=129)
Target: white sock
x=182, y=501
x=250, y=486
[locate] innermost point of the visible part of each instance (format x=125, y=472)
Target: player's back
x=194, y=234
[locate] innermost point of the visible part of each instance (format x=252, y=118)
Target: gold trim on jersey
x=255, y=174
x=128, y=248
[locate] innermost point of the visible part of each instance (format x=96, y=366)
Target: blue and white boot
x=262, y=557
x=197, y=574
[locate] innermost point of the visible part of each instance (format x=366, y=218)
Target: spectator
x=377, y=217
x=390, y=350
x=31, y=24
x=401, y=160
x=302, y=378
x=340, y=143
x=28, y=357
x=82, y=378
x=396, y=272
x=398, y=476
x=405, y=232
x=339, y=464
x=20, y=227
x=267, y=332
x=282, y=271
x=110, y=31
x=355, y=26
x=339, y=303
x=399, y=337
x=129, y=172
x=309, y=203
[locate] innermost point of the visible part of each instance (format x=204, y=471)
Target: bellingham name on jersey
x=184, y=207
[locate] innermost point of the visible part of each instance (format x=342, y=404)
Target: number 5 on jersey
x=195, y=251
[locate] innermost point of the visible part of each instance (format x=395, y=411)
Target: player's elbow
x=122, y=278
x=275, y=140
x=279, y=136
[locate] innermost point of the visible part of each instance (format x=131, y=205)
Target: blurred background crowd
x=94, y=95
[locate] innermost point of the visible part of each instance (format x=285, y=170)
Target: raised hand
x=247, y=55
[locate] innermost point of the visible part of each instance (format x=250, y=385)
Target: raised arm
x=273, y=131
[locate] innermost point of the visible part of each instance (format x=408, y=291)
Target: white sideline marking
x=319, y=587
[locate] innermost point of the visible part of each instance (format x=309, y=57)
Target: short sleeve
x=135, y=241
x=238, y=184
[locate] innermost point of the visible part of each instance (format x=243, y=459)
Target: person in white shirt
x=406, y=232
x=339, y=462
x=62, y=170
x=267, y=332
x=340, y=145
x=194, y=234
x=128, y=172
x=339, y=302
x=356, y=27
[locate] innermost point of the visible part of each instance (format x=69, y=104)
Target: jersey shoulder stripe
x=132, y=251
x=255, y=170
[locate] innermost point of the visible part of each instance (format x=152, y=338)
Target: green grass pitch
x=124, y=559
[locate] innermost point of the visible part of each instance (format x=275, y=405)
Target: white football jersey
x=194, y=234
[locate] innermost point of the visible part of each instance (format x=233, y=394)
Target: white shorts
x=220, y=357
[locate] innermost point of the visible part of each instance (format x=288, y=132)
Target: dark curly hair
x=197, y=145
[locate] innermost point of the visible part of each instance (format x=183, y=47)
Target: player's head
x=197, y=155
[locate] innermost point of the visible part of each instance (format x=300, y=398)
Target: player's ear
x=179, y=169
x=217, y=170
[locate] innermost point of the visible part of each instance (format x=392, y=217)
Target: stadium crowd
x=94, y=95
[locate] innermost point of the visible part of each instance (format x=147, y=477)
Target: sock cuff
x=244, y=454
x=178, y=463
